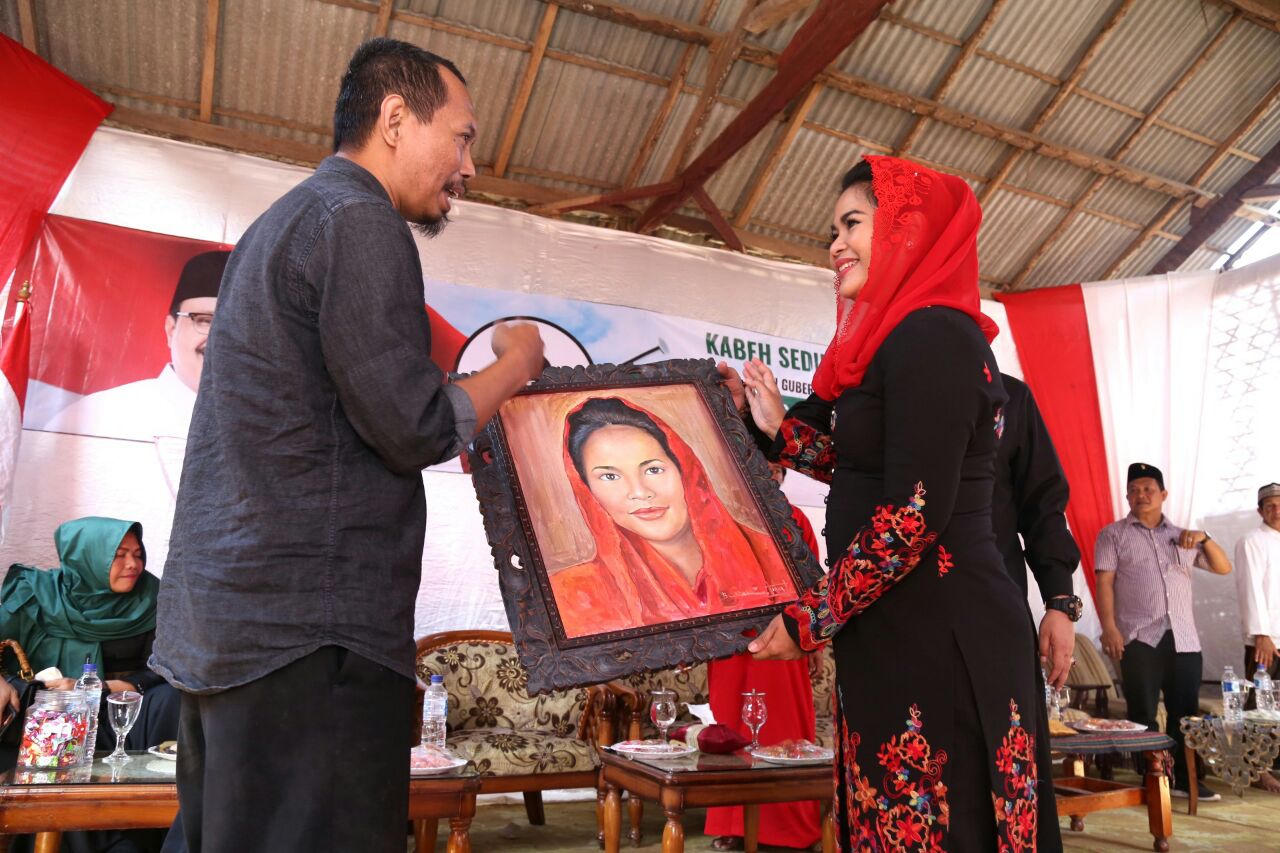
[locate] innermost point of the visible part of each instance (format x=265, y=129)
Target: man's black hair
x=382, y=67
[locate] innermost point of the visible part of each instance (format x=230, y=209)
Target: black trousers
x=1146, y=672
x=312, y=758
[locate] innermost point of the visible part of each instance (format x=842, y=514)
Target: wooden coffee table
x=710, y=780
x=143, y=794
x=1078, y=795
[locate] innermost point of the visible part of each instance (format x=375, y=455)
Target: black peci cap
x=202, y=276
x=1138, y=470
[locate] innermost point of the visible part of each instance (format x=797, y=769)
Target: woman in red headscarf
x=667, y=549
x=934, y=649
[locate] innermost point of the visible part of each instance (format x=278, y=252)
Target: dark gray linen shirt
x=301, y=512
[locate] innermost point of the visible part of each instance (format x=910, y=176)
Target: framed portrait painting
x=633, y=522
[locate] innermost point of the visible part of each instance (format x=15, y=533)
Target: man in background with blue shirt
x=286, y=609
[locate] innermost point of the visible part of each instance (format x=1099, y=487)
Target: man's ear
x=390, y=119
x=170, y=323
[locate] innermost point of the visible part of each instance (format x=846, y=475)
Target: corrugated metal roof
x=103, y=43
x=1048, y=35
x=602, y=83
x=1154, y=43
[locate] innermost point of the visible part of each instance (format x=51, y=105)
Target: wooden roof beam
x=209, y=62
x=1172, y=92
x=604, y=199
x=638, y=19
x=1255, y=115
x=773, y=158
x=27, y=26
x=721, y=225
x=832, y=27
x=674, y=88
x=1022, y=139
x=723, y=54
x=1060, y=96
x=769, y=13
x=382, y=24
x=967, y=51
x=1219, y=213
x=516, y=117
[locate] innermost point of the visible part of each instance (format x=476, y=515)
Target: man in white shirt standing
x=1258, y=584
x=149, y=408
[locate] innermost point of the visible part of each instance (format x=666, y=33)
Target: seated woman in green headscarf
x=98, y=606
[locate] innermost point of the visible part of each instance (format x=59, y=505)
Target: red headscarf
x=924, y=251
x=636, y=584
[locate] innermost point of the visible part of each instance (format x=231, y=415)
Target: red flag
x=46, y=119
x=15, y=364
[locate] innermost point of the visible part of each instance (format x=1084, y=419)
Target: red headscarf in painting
x=629, y=584
x=924, y=252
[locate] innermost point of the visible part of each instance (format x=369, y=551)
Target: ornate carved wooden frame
x=555, y=661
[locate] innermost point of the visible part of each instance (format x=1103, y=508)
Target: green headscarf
x=61, y=616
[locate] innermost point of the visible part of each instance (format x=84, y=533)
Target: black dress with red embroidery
x=932, y=643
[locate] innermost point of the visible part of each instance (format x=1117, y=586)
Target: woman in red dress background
x=788, y=690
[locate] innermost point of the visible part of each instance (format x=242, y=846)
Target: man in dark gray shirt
x=286, y=609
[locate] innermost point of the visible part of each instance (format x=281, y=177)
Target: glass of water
x=754, y=714
x=662, y=710
x=122, y=711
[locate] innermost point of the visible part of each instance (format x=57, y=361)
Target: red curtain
x=46, y=119
x=1051, y=331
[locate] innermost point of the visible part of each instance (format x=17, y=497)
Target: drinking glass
x=754, y=713
x=122, y=710
x=1061, y=702
x=662, y=710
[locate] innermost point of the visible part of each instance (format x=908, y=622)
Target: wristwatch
x=1068, y=604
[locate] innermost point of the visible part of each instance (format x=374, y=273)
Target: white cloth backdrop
x=170, y=187
x=1180, y=362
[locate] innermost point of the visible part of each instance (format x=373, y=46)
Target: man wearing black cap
x=162, y=406
x=1144, y=565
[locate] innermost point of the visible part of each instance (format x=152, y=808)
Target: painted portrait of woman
x=666, y=547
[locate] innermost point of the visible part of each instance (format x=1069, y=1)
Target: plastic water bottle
x=435, y=710
x=1262, y=689
x=1232, y=698
x=91, y=686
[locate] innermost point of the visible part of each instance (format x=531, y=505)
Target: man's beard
x=430, y=227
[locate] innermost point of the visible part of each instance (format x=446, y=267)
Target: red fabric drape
x=789, y=697
x=1051, y=331
x=46, y=119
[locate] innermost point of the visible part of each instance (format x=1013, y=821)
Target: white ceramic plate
x=1091, y=726
x=155, y=750
x=653, y=749
x=453, y=764
x=764, y=755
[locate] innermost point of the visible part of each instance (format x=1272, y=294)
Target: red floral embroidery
x=944, y=562
x=999, y=423
x=909, y=811
x=808, y=451
x=882, y=553
x=986, y=371
x=1016, y=810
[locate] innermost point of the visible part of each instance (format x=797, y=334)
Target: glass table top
x=144, y=768
x=703, y=761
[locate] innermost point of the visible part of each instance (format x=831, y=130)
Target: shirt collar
x=352, y=169
x=1133, y=519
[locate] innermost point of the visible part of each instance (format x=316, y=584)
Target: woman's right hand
x=60, y=684
x=763, y=396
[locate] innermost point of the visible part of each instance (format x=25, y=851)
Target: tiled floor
x=1233, y=825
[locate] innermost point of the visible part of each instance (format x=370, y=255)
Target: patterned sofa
x=517, y=742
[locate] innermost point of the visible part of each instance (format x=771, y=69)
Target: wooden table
x=709, y=780
x=1078, y=795
x=143, y=794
